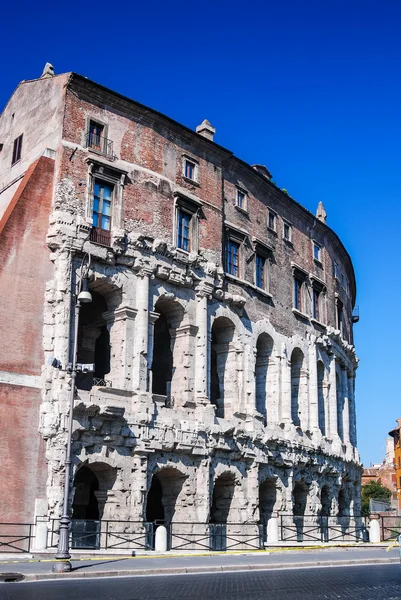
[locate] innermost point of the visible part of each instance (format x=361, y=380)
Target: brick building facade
x=220, y=327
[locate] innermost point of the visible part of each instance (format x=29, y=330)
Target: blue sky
x=311, y=89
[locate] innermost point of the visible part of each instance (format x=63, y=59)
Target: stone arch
x=265, y=374
x=93, y=485
x=321, y=396
x=223, y=367
x=222, y=496
x=165, y=488
x=299, y=388
x=166, y=347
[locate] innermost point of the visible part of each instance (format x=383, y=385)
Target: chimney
x=206, y=129
x=263, y=171
x=48, y=71
x=321, y=213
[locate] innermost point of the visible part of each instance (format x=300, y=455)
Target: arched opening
x=223, y=492
x=93, y=342
x=263, y=373
x=343, y=504
x=297, y=362
x=154, y=505
x=320, y=397
x=340, y=406
x=325, y=501
x=300, y=498
x=223, y=376
x=164, y=348
x=267, y=503
x=85, y=505
x=164, y=491
x=162, y=365
x=300, y=494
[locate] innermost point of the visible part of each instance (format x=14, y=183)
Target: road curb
x=205, y=569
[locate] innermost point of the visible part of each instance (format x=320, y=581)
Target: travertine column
x=303, y=398
x=346, y=419
x=313, y=391
x=352, y=411
x=201, y=349
x=140, y=341
x=285, y=389
x=333, y=424
x=182, y=383
x=120, y=324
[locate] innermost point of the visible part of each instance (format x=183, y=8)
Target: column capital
x=119, y=314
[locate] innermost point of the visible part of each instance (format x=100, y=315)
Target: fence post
x=374, y=530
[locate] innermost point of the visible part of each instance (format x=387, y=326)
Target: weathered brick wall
x=24, y=269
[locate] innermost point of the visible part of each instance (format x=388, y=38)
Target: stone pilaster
x=182, y=384
x=285, y=405
x=346, y=415
x=352, y=411
x=201, y=349
x=120, y=324
x=140, y=340
x=313, y=390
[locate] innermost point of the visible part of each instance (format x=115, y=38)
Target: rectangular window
x=184, y=230
x=240, y=200
x=17, y=150
x=102, y=196
x=335, y=269
x=298, y=283
x=316, y=252
x=272, y=220
x=233, y=258
x=287, y=231
x=190, y=170
x=340, y=317
x=95, y=138
x=260, y=271
x=316, y=304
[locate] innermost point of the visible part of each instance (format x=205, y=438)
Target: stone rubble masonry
x=303, y=440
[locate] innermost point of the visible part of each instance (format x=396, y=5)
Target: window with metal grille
x=298, y=283
x=233, y=258
x=17, y=149
x=260, y=271
x=184, y=230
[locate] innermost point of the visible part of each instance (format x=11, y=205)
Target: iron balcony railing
x=100, y=144
x=100, y=236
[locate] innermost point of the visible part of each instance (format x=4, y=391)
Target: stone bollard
x=161, y=539
x=272, y=530
x=374, y=530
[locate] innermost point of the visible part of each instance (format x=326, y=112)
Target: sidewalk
x=272, y=558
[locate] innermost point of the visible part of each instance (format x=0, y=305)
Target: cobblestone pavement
x=381, y=582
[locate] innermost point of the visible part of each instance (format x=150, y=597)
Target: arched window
x=263, y=373
x=165, y=350
x=223, y=367
x=298, y=388
x=321, y=389
x=340, y=406
x=93, y=342
x=223, y=493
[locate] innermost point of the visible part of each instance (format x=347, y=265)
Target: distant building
x=396, y=434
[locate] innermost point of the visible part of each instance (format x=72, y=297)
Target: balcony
x=100, y=144
x=100, y=236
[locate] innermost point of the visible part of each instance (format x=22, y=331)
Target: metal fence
x=317, y=528
x=16, y=537
x=390, y=527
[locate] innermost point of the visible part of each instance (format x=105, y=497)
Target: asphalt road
x=381, y=582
